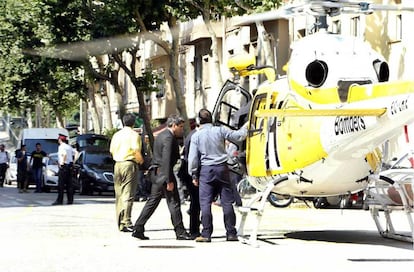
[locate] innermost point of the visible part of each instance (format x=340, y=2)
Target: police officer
x=65, y=159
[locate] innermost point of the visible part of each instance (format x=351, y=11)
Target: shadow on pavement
x=347, y=236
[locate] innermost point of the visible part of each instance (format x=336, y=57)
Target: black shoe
x=232, y=238
x=195, y=235
x=127, y=229
x=57, y=203
x=184, y=236
x=139, y=235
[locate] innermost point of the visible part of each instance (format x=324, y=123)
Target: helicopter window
x=256, y=123
x=343, y=87
x=229, y=107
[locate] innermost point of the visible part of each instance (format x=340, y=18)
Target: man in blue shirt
x=207, y=164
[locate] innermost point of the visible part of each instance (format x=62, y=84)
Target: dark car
x=91, y=140
x=93, y=171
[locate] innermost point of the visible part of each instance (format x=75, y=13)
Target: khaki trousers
x=125, y=184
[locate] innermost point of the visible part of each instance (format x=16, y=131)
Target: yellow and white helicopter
x=320, y=130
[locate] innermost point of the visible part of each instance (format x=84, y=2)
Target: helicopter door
x=232, y=110
x=230, y=106
x=256, y=145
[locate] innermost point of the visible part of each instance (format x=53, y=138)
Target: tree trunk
x=29, y=118
x=214, y=50
x=59, y=120
x=119, y=92
x=92, y=109
x=174, y=74
x=130, y=71
x=263, y=37
x=143, y=112
x=106, y=112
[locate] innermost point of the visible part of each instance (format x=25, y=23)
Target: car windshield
x=53, y=160
x=95, y=141
x=101, y=159
x=48, y=145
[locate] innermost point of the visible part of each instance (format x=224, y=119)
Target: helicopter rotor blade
x=84, y=49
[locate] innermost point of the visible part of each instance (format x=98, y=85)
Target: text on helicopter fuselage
x=399, y=106
x=348, y=124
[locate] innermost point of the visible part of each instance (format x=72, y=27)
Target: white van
x=47, y=137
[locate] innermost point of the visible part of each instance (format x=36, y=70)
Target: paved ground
x=36, y=236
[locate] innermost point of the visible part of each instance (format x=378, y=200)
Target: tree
x=114, y=18
x=126, y=17
x=214, y=10
x=28, y=79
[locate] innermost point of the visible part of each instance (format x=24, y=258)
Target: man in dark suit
x=165, y=156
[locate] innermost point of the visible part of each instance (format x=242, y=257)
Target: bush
x=110, y=132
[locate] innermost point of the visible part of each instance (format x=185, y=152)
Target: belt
x=153, y=168
x=127, y=161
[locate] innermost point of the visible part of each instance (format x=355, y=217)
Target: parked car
x=93, y=171
x=11, y=173
x=47, y=137
x=91, y=140
x=355, y=200
x=50, y=172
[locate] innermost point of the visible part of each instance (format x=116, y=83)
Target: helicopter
x=323, y=129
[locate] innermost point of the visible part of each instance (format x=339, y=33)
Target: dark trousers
x=215, y=180
x=65, y=182
x=37, y=175
x=144, y=185
x=194, y=205
x=235, y=179
x=3, y=169
x=173, y=201
x=22, y=179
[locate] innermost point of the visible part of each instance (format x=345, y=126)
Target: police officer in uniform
x=65, y=159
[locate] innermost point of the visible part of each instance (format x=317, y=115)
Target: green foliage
x=190, y=9
x=25, y=79
x=149, y=81
x=110, y=132
x=155, y=123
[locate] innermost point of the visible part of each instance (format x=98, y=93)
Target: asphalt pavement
x=36, y=236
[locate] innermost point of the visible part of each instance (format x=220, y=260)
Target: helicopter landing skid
x=258, y=211
x=391, y=193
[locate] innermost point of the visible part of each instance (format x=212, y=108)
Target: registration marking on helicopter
x=399, y=106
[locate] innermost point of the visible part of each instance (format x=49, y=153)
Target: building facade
x=386, y=31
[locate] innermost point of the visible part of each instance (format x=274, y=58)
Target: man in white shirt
x=65, y=157
x=4, y=163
